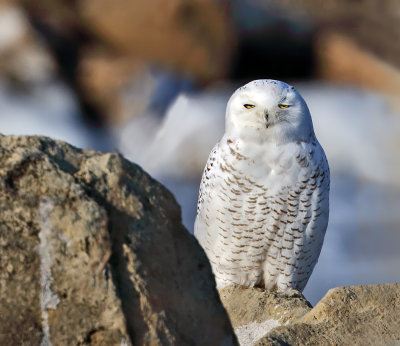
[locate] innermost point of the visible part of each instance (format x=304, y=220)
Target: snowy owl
x=263, y=203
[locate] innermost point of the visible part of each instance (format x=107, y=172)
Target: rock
x=356, y=315
x=121, y=86
x=24, y=61
x=190, y=37
x=105, y=48
x=254, y=311
x=358, y=67
x=375, y=33
x=271, y=42
x=247, y=304
x=370, y=59
x=93, y=252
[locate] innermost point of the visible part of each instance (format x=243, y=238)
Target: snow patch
x=125, y=342
x=253, y=331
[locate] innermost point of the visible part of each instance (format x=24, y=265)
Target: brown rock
x=246, y=304
x=255, y=311
x=354, y=45
x=373, y=24
x=103, y=47
x=109, y=81
x=192, y=37
x=341, y=59
x=24, y=61
x=356, y=315
x=93, y=252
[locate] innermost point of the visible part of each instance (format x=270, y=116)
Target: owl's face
x=269, y=109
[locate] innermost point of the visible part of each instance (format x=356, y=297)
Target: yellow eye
x=283, y=106
x=248, y=106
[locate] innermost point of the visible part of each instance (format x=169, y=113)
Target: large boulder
x=93, y=252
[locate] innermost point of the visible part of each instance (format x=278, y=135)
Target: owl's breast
x=267, y=165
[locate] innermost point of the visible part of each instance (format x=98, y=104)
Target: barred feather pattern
x=263, y=211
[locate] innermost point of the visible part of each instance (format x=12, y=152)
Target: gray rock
x=93, y=252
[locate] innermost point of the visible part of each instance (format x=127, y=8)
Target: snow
x=250, y=333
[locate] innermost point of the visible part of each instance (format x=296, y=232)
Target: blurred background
x=151, y=79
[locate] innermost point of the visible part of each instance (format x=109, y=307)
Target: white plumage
x=264, y=196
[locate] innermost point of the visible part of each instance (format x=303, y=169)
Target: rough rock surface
x=245, y=305
x=254, y=311
x=93, y=252
x=356, y=315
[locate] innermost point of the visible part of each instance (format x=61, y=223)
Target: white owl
x=264, y=196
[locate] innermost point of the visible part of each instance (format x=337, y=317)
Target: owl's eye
x=284, y=106
x=248, y=106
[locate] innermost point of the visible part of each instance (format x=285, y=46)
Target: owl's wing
x=309, y=222
x=206, y=185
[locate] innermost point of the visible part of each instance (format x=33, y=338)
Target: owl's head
x=269, y=110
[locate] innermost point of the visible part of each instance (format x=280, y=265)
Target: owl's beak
x=266, y=118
